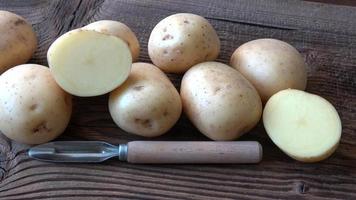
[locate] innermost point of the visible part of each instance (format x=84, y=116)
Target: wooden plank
x=337, y=2
x=326, y=36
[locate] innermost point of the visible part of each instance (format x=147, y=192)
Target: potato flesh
x=88, y=63
x=303, y=125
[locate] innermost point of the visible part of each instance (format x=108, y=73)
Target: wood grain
x=337, y=2
x=326, y=36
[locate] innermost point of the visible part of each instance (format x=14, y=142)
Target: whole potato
x=219, y=101
x=33, y=108
x=270, y=65
x=182, y=40
x=120, y=30
x=147, y=104
x=18, y=40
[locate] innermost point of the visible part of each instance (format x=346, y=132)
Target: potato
x=182, y=40
x=219, y=101
x=147, y=104
x=87, y=63
x=120, y=30
x=270, y=65
x=18, y=40
x=33, y=108
x=304, y=126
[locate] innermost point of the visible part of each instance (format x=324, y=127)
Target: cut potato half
x=87, y=63
x=305, y=126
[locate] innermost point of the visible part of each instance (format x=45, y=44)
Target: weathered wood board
x=326, y=36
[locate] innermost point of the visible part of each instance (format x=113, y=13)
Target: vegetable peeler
x=149, y=152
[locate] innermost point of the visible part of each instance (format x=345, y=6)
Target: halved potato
x=87, y=63
x=305, y=126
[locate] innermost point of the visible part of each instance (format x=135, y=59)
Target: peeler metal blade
x=77, y=151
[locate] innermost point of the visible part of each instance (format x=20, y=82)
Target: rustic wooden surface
x=324, y=33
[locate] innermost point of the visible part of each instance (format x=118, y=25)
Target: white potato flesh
x=87, y=63
x=147, y=104
x=117, y=29
x=304, y=126
x=33, y=108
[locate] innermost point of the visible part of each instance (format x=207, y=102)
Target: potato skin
x=270, y=65
x=18, y=40
x=182, y=40
x=219, y=101
x=119, y=30
x=147, y=104
x=33, y=108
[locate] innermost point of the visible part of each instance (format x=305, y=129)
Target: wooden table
x=324, y=33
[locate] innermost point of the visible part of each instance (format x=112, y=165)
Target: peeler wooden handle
x=194, y=152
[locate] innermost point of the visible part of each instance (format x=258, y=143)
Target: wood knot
x=302, y=187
